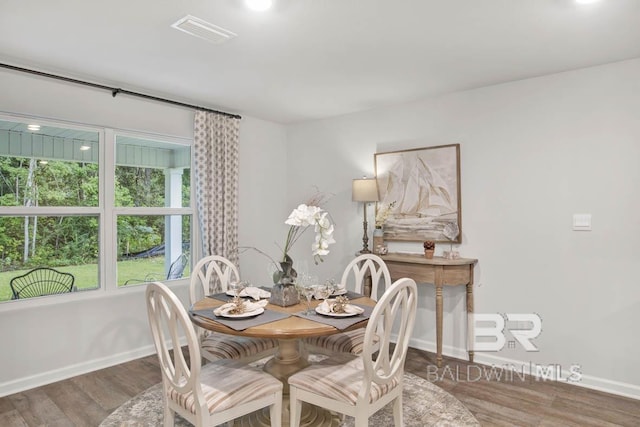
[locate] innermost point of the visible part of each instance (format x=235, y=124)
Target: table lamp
x=365, y=190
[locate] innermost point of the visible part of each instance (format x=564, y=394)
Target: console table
x=441, y=272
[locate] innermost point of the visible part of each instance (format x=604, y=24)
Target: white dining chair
x=359, y=386
x=211, y=395
x=212, y=274
x=354, y=277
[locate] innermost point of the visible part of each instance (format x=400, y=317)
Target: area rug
x=424, y=404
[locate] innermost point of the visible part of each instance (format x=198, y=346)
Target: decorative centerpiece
x=340, y=304
x=451, y=231
x=284, y=292
x=378, y=232
x=429, y=248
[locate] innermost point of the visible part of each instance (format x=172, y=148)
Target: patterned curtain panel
x=216, y=171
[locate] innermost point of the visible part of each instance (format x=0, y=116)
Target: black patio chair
x=177, y=267
x=41, y=281
x=176, y=270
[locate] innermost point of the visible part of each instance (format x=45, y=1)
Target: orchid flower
x=303, y=217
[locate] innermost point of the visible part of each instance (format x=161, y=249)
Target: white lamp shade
x=364, y=190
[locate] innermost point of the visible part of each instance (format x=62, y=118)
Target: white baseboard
x=587, y=381
x=70, y=371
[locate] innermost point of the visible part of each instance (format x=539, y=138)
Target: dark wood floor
x=84, y=401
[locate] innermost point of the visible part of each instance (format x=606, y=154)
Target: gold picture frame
x=424, y=183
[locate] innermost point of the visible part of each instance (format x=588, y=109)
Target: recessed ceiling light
x=33, y=128
x=85, y=147
x=586, y=1
x=259, y=5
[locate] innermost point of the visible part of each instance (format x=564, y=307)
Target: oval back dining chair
x=210, y=275
x=359, y=270
x=205, y=396
x=359, y=386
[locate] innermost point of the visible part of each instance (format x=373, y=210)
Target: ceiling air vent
x=203, y=29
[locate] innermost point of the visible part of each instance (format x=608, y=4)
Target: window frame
x=106, y=211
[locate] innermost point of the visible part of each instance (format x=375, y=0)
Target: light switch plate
x=582, y=222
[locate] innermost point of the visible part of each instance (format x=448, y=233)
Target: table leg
x=470, y=334
x=439, y=325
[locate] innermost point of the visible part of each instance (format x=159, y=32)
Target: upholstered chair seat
x=340, y=378
x=216, y=346
x=225, y=385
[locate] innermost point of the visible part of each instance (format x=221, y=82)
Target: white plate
x=324, y=313
x=338, y=292
x=242, y=315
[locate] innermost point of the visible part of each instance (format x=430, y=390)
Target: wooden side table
x=441, y=272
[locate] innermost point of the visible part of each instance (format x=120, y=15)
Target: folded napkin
x=251, y=291
x=329, y=306
x=340, y=288
x=249, y=306
x=255, y=293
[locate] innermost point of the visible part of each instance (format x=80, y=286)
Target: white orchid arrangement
x=383, y=214
x=304, y=216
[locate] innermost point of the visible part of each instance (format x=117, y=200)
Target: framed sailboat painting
x=420, y=192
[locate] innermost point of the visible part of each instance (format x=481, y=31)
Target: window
x=105, y=206
x=152, y=179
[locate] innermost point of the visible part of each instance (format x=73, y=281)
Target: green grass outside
x=86, y=276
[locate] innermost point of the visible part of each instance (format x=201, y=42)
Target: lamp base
x=365, y=237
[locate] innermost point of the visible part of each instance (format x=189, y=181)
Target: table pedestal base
x=312, y=416
x=290, y=358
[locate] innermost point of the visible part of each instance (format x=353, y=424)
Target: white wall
x=533, y=153
x=262, y=205
x=64, y=336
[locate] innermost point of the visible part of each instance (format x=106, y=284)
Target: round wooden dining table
x=291, y=355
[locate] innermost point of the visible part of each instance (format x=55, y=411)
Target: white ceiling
x=309, y=59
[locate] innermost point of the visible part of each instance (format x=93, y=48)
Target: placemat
x=340, y=323
x=351, y=295
x=222, y=296
x=242, y=324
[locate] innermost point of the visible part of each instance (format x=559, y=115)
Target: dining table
x=289, y=326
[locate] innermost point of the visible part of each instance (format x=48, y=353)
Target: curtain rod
x=114, y=91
